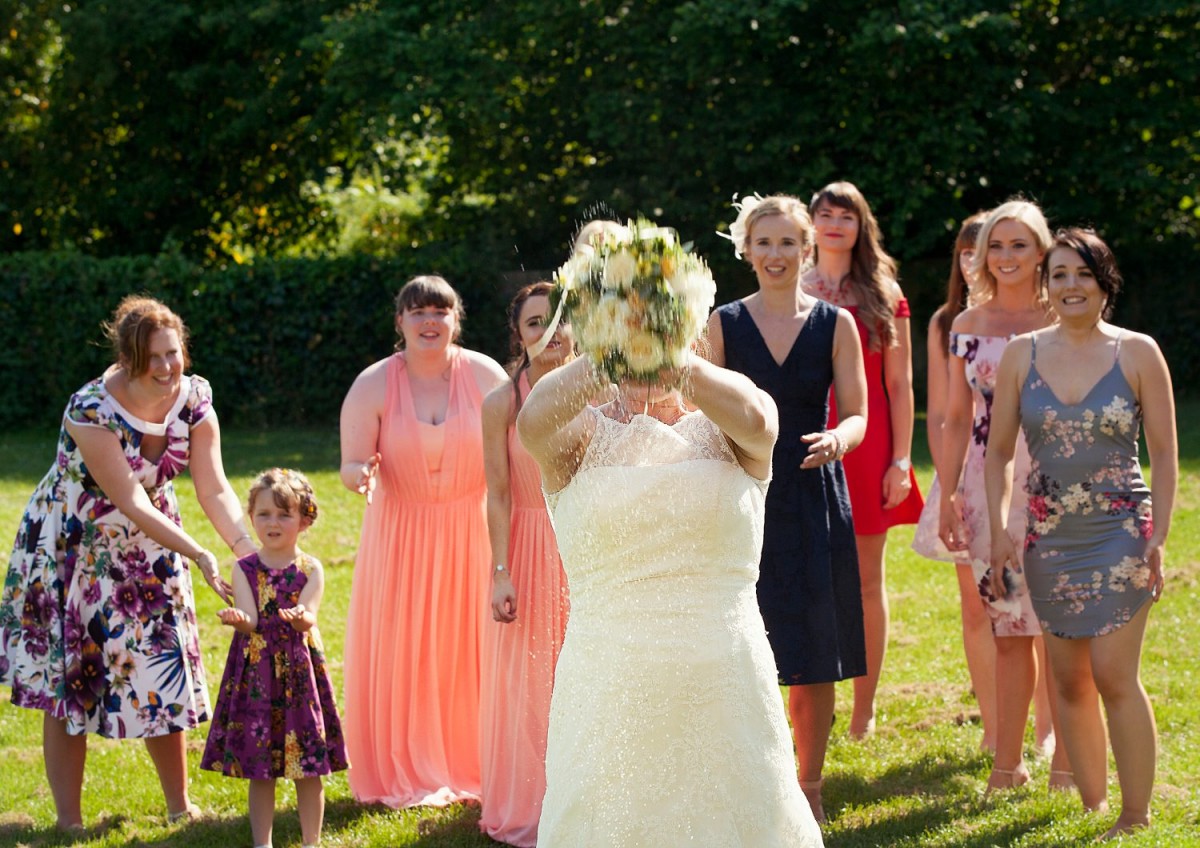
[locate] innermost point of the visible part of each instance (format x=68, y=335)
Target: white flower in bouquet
x=638, y=301
x=620, y=269
x=607, y=324
x=643, y=352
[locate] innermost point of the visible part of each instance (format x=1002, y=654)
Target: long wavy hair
x=957, y=287
x=872, y=275
x=518, y=362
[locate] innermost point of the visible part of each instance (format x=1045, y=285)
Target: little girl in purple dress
x=275, y=715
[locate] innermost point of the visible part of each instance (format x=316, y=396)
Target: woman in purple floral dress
x=97, y=619
x=276, y=715
x=1095, y=538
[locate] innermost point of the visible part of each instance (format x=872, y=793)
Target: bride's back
x=653, y=507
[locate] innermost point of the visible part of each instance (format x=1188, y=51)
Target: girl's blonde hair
x=290, y=489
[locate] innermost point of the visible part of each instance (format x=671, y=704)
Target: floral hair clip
x=737, y=230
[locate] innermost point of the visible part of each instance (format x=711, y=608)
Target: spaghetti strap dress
x=867, y=463
x=809, y=590
x=519, y=660
x=1089, y=507
x=412, y=649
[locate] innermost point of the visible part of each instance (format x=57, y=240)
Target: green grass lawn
x=917, y=782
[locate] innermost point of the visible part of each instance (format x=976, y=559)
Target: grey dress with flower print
x=1089, y=507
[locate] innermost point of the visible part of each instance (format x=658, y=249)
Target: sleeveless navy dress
x=808, y=587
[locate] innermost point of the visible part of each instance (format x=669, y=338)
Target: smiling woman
x=1081, y=391
x=97, y=622
x=412, y=444
x=1011, y=247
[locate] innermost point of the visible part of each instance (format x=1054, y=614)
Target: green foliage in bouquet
x=636, y=298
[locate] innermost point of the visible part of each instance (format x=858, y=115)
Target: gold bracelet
x=233, y=545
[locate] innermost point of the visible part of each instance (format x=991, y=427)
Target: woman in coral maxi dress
x=411, y=443
x=529, y=589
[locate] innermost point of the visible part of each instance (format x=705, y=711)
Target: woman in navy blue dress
x=795, y=348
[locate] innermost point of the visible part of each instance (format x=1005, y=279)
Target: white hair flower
x=737, y=230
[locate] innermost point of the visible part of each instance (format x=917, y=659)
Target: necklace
x=825, y=289
x=668, y=410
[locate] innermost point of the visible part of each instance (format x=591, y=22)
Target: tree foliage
x=234, y=128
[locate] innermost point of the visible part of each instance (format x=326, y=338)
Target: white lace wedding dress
x=666, y=726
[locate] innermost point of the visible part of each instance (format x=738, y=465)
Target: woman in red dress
x=853, y=271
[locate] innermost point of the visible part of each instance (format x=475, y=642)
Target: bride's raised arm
x=745, y=413
x=551, y=424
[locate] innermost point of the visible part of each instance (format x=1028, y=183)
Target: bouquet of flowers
x=637, y=300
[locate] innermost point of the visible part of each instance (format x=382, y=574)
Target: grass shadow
x=19, y=829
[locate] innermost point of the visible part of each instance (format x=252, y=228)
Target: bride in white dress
x=666, y=725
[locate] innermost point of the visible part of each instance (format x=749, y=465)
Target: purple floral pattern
x=1089, y=508
x=276, y=714
x=1011, y=615
x=97, y=621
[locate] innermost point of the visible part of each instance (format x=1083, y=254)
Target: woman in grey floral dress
x=98, y=620
x=1094, y=542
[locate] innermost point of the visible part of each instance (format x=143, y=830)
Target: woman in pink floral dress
x=1011, y=248
x=1080, y=391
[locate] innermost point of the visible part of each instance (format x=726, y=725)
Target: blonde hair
x=983, y=284
x=290, y=489
x=775, y=204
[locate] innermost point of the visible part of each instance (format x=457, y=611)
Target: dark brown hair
x=429, y=290
x=956, y=287
x=135, y=320
x=518, y=361
x=872, y=274
x=1096, y=254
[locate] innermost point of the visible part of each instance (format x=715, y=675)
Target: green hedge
x=281, y=341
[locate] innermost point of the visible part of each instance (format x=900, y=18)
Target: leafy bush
x=281, y=341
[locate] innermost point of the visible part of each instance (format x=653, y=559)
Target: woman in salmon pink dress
x=529, y=589
x=411, y=443
x=854, y=272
